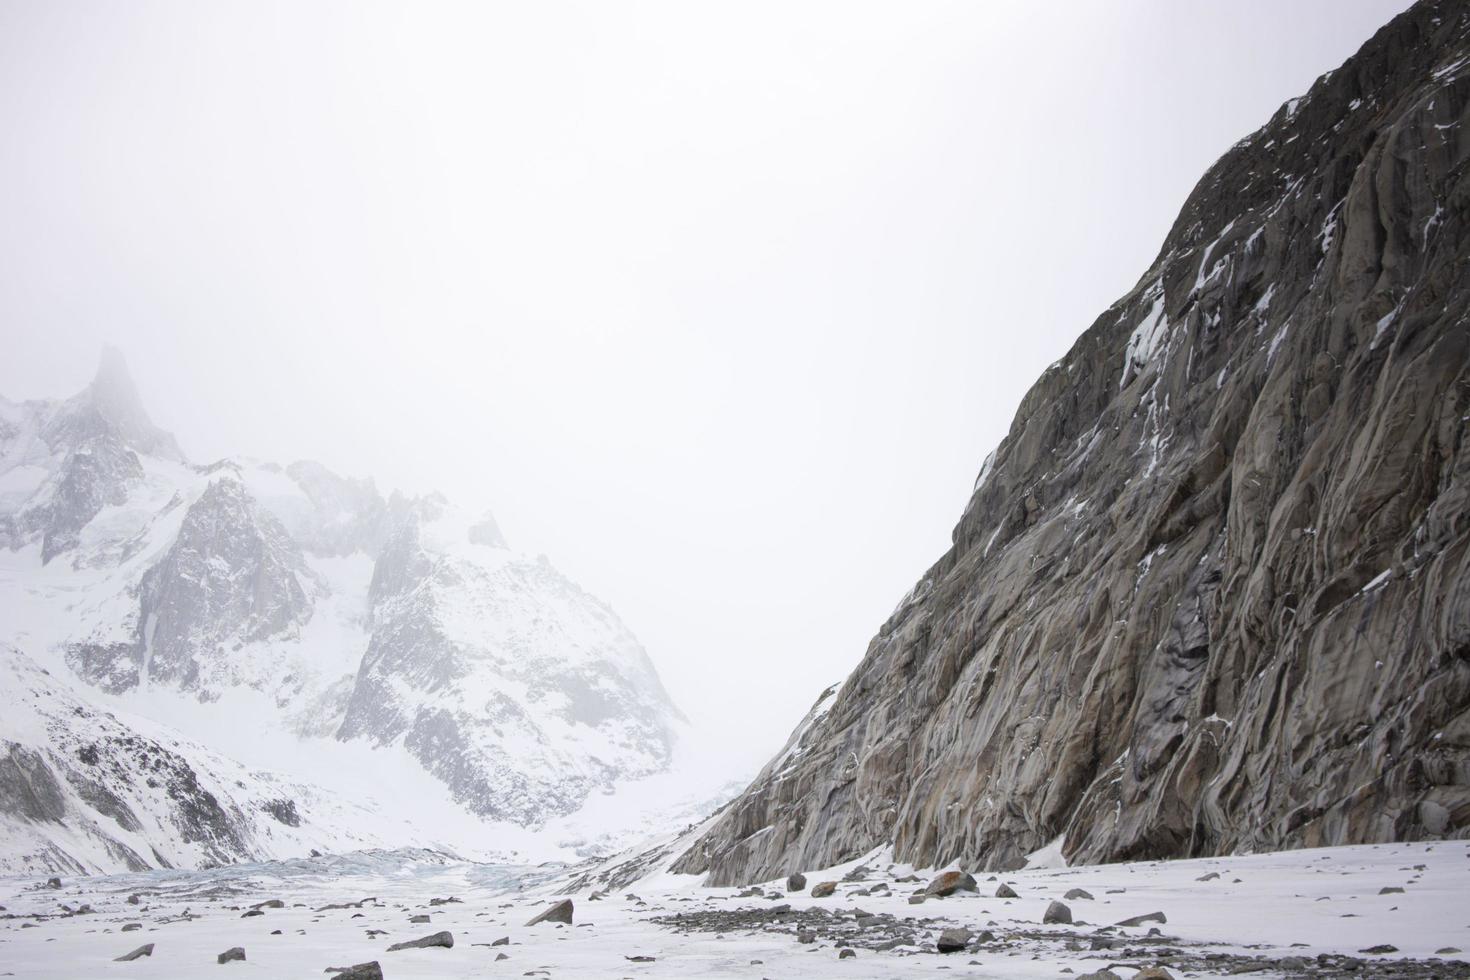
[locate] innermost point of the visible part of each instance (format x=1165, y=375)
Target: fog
x=720, y=306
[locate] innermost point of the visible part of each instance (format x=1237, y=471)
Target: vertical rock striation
x=1210, y=593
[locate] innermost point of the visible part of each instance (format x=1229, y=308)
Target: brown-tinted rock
x=950, y=882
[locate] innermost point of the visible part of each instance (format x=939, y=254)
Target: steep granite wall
x=1210, y=593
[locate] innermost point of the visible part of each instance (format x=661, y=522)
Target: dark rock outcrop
x=1210, y=593
x=560, y=912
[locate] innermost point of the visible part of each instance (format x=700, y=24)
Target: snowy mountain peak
x=111, y=405
x=307, y=602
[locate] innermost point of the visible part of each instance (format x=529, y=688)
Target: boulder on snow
x=231, y=954
x=949, y=883
x=560, y=912
x=823, y=888
x=443, y=939
x=1055, y=913
x=953, y=940
x=796, y=882
x=137, y=954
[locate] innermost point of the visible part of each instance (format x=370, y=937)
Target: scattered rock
x=451, y=900
x=137, y=954
x=418, y=919
x=1139, y=920
x=949, y=883
x=916, y=899
x=1076, y=893
x=1390, y=890
x=639, y=959
x=1006, y=891
x=251, y=914
x=273, y=903
x=134, y=899
x=1100, y=975
x=953, y=940
x=501, y=956
x=1153, y=973
x=1209, y=877
x=1380, y=949
x=823, y=888
x=362, y=971
x=560, y=912
x=1447, y=951
x=502, y=941
x=444, y=939
x=233, y=953
x=846, y=953
x=132, y=926
x=1055, y=913
x=53, y=882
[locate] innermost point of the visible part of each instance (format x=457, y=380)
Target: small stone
x=796, y=882
x=273, y=903
x=136, y=954
x=639, y=959
x=1154, y=973
x=1100, y=975
x=846, y=954
x=134, y=899
x=502, y=941
x=1209, y=877
x=1056, y=913
x=916, y=899
x=1006, y=891
x=501, y=956
x=418, y=919
x=1390, y=890
x=823, y=888
x=441, y=939
x=1447, y=951
x=53, y=882
x=132, y=926
x=231, y=954
x=1380, y=949
x=1076, y=893
x=560, y=912
x=953, y=940
x=251, y=914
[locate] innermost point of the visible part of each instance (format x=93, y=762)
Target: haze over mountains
x=294, y=600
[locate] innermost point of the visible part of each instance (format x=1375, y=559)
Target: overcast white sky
x=718, y=305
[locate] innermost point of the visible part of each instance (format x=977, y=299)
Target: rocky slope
x=1210, y=593
x=83, y=790
x=400, y=621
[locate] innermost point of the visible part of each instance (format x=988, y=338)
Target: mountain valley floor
x=1396, y=910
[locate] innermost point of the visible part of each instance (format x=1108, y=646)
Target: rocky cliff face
x=1212, y=591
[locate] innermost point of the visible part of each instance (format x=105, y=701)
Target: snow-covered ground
x=1259, y=911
